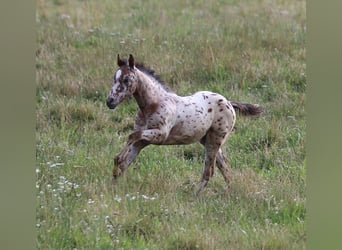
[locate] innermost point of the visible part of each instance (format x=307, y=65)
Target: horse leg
x=224, y=167
x=221, y=163
x=208, y=171
x=135, y=143
x=212, y=145
x=127, y=156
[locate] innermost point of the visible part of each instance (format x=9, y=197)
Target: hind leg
x=212, y=143
x=208, y=171
x=224, y=167
x=221, y=163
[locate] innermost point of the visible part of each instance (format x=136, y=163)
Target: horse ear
x=120, y=62
x=131, y=61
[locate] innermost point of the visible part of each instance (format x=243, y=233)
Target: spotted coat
x=164, y=118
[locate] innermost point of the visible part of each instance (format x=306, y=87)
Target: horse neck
x=148, y=91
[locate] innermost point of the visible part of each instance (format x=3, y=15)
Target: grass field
x=252, y=51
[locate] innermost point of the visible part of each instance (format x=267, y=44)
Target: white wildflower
x=145, y=197
x=57, y=164
x=117, y=198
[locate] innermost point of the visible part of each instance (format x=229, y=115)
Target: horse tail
x=247, y=109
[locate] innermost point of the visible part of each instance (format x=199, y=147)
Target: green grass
x=253, y=51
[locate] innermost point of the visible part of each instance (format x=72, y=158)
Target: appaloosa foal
x=164, y=118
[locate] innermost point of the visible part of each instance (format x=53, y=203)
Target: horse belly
x=188, y=131
x=180, y=135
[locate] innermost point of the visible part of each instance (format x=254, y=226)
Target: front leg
x=135, y=143
x=127, y=156
x=139, y=139
x=152, y=136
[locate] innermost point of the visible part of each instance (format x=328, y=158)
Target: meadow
x=252, y=51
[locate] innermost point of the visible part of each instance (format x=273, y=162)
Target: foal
x=164, y=118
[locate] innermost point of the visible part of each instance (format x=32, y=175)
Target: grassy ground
x=253, y=51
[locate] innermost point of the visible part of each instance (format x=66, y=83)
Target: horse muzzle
x=110, y=103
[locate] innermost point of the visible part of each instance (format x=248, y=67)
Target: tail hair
x=247, y=109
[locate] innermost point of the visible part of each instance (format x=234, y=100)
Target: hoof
x=116, y=173
x=200, y=187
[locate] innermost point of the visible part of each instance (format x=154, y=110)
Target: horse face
x=124, y=86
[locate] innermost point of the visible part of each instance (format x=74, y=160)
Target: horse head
x=124, y=82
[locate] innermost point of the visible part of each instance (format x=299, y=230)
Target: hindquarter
x=202, y=113
x=225, y=116
x=192, y=120
x=223, y=120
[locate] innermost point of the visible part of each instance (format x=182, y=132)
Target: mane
x=151, y=73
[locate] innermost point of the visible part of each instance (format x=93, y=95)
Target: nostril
x=109, y=101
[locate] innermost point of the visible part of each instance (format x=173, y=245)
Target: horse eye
x=125, y=80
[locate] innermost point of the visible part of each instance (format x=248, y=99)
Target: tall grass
x=253, y=51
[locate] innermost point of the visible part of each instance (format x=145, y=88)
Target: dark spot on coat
x=209, y=110
x=150, y=109
x=135, y=136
